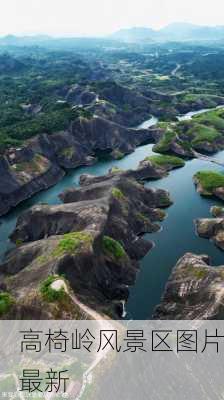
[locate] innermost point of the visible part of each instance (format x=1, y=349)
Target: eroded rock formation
x=42, y=161
x=193, y=291
x=94, y=241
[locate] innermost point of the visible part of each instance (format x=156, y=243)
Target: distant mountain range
x=178, y=32
x=173, y=32
x=61, y=43
x=13, y=40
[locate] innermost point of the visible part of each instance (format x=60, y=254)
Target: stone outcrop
x=219, y=192
x=193, y=291
x=94, y=240
x=122, y=105
x=212, y=228
x=146, y=170
x=217, y=211
x=23, y=174
x=87, y=137
x=41, y=162
x=80, y=96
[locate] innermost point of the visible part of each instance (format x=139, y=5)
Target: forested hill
x=43, y=89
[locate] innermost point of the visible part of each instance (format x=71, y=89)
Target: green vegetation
x=161, y=214
x=67, y=152
x=39, y=93
x=203, y=133
x=196, y=272
x=162, y=77
x=217, y=211
x=19, y=242
x=200, y=274
x=114, y=248
x=209, y=180
x=142, y=218
x=6, y=302
x=164, y=201
x=84, y=113
x=115, y=170
x=207, y=127
x=118, y=194
x=126, y=108
x=192, y=98
x=37, y=165
x=51, y=121
x=186, y=146
x=212, y=118
x=163, y=125
x=118, y=155
x=33, y=93
x=163, y=146
x=72, y=242
x=48, y=293
x=163, y=160
x=42, y=259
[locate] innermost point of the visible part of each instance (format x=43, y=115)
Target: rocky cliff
x=212, y=228
x=121, y=104
x=94, y=242
x=24, y=173
x=193, y=291
x=42, y=161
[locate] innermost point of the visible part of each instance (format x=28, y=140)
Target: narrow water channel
x=175, y=239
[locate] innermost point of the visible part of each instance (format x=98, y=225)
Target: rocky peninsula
x=202, y=133
x=93, y=243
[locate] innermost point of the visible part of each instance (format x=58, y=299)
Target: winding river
x=177, y=234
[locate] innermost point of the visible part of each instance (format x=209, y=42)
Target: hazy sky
x=97, y=17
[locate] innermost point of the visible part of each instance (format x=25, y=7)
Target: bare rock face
x=217, y=211
x=147, y=170
x=219, y=192
x=77, y=95
x=208, y=147
x=24, y=173
x=111, y=94
x=206, y=227
x=43, y=220
x=211, y=228
x=195, y=290
x=93, y=240
x=41, y=162
x=87, y=137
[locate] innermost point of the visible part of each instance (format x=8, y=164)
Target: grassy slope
x=210, y=180
x=164, y=160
